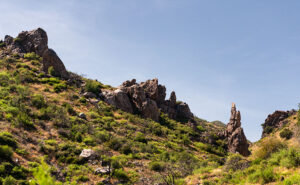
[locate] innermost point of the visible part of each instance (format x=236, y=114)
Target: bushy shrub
x=286, y=133
x=9, y=181
x=5, y=152
x=120, y=174
x=51, y=71
x=263, y=175
x=269, y=146
x=102, y=136
x=31, y=56
x=286, y=157
x=115, y=143
x=156, y=166
x=7, y=138
x=23, y=120
x=236, y=162
x=140, y=137
x=93, y=86
x=38, y=101
x=60, y=87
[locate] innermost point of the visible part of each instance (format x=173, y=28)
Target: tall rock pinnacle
x=236, y=139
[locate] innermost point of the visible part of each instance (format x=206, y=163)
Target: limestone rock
x=236, y=139
x=87, y=153
x=102, y=170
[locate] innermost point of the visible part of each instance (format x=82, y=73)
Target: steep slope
x=60, y=128
x=275, y=159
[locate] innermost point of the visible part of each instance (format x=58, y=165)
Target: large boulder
x=119, y=99
x=37, y=41
x=154, y=90
x=236, y=139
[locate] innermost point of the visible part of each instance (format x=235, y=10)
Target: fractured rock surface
x=147, y=99
x=234, y=133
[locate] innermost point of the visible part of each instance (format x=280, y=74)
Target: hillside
x=60, y=128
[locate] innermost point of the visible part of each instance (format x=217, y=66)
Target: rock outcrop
x=236, y=139
x=275, y=120
x=37, y=41
x=147, y=99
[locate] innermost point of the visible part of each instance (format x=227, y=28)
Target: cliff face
x=234, y=134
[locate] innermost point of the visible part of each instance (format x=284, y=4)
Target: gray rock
x=89, y=95
x=102, y=170
x=87, y=153
x=82, y=115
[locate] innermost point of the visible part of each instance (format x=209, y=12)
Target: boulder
x=51, y=59
x=102, y=170
x=236, y=139
x=154, y=90
x=87, y=154
x=82, y=115
x=119, y=99
x=89, y=95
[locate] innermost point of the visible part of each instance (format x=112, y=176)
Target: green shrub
x=286, y=157
x=31, y=56
x=236, y=162
x=70, y=109
x=89, y=141
x=102, y=136
x=51, y=71
x=9, y=181
x=115, y=143
x=4, y=79
x=156, y=166
x=120, y=174
x=286, y=133
x=93, y=86
x=60, y=87
x=263, y=175
x=292, y=180
x=7, y=138
x=269, y=146
x=6, y=152
x=140, y=137
x=23, y=120
x=38, y=101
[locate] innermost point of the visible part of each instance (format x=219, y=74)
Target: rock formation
x=275, y=120
x=147, y=99
x=236, y=139
x=37, y=41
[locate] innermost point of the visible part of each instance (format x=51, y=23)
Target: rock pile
x=275, y=120
x=37, y=41
x=147, y=99
x=236, y=139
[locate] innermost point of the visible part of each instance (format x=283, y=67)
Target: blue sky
x=211, y=52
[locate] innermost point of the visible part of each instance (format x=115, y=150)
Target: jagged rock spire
x=236, y=139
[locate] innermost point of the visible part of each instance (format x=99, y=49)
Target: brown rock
x=150, y=110
x=154, y=90
x=51, y=59
x=275, y=120
x=37, y=41
x=236, y=139
x=183, y=111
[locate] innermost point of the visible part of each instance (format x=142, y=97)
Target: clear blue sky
x=210, y=52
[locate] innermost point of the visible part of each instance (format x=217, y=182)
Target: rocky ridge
x=276, y=120
x=147, y=99
x=36, y=41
